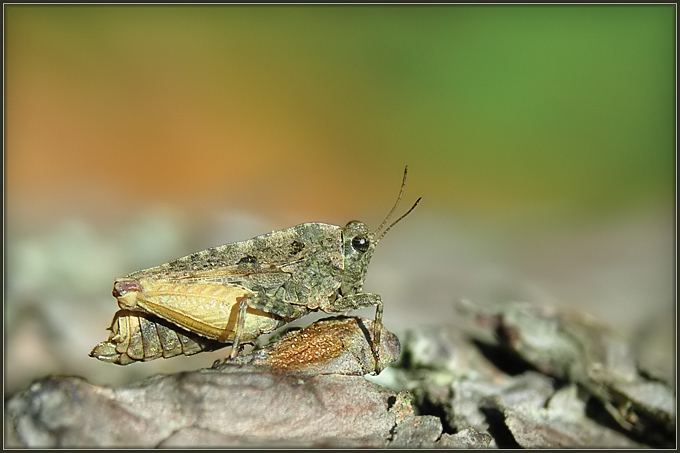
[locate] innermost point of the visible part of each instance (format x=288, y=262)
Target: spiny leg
x=362, y=300
x=240, y=326
x=377, y=328
x=265, y=303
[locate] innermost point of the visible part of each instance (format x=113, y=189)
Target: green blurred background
x=542, y=139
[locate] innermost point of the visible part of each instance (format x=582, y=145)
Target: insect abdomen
x=137, y=336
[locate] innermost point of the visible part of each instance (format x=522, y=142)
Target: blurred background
x=541, y=138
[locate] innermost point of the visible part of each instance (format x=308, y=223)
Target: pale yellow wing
x=201, y=307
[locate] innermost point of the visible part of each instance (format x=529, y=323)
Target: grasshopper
x=236, y=292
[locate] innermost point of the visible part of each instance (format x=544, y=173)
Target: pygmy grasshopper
x=233, y=293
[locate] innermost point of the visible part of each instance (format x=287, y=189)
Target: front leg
x=363, y=300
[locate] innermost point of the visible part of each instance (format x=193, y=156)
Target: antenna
x=395, y=222
x=401, y=193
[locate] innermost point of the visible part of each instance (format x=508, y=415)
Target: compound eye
x=360, y=244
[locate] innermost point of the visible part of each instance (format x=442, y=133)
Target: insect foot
x=336, y=345
x=233, y=293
